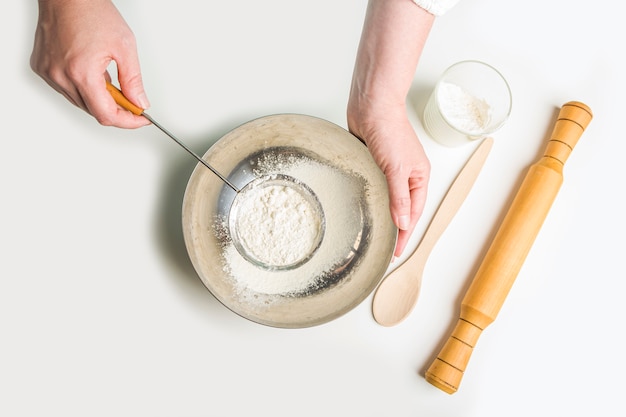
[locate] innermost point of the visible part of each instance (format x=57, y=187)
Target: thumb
x=131, y=82
x=399, y=201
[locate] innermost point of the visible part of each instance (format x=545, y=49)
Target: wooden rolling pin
x=509, y=248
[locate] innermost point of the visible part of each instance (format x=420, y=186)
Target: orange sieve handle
x=121, y=99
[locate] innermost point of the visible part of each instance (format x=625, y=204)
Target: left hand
x=396, y=149
x=394, y=34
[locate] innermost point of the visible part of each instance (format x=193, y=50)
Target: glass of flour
x=470, y=101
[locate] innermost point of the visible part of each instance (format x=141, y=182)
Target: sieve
x=242, y=193
x=264, y=188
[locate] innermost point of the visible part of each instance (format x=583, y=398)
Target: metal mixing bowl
x=359, y=237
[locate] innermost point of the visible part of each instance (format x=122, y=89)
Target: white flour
x=277, y=225
x=343, y=227
x=466, y=112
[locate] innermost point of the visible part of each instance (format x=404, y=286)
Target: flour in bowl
x=343, y=240
x=277, y=225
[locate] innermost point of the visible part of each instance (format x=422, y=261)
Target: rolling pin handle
x=448, y=368
x=573, y=119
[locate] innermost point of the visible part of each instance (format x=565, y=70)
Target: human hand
x=75, y=41
x=394, y=34
x=396, y=149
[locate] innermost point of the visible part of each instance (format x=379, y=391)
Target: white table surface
x=102, y=314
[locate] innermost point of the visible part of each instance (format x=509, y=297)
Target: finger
x=62, y=85
x=72, y=95
x=400, y=208
x=419, y=191
x=129, y=76
x=399, y=200
x=403, y=239
x=418, y=200
x=103, y=107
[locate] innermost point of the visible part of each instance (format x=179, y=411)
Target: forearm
x=69, y=2
x=394, y=34
x=66, y=13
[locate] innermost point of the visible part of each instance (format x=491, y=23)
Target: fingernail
x=404, y=222
x=143, y=101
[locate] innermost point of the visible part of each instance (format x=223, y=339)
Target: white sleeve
x=436, y=7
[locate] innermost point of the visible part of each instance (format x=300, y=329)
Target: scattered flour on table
x=343, y=216
x=465, y=111
x=277, y=225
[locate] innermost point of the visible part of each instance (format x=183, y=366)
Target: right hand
x=75, y=42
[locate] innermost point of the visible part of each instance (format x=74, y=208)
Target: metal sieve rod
x=202, y=161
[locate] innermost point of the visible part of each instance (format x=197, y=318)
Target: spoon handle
x=455, y=196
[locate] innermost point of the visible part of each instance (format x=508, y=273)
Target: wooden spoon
x=397, y=293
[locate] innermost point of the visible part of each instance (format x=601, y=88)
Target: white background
x=102, y=314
